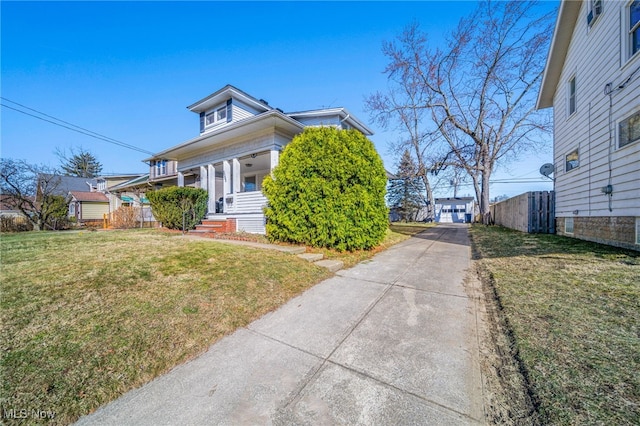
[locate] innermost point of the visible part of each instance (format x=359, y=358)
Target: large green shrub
x=328, y=191
x=170, y=205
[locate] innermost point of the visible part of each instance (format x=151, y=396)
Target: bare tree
x=32, y=190
x=479, y=92
x=402, y=108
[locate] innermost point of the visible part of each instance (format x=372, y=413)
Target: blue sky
x=127, y=70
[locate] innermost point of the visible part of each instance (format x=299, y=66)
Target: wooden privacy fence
x=532, y=212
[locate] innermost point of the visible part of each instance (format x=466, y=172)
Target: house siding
x=330, y=120
x=93, y=211
x=595, y=58
x=240, y=111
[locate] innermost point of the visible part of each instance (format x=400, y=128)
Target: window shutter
x=229, y=111
x=202, y=122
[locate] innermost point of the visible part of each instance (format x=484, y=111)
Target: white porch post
x=180, y=179
x=275, y=159
x=211, y=187
x=203, y=178
x=226, y=185
x=236, y=175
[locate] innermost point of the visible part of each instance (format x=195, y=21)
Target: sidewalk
x=392, y=340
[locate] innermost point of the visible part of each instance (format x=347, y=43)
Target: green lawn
x=574, y=310
x=87, y=316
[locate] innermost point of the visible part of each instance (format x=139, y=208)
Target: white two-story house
x=592, y=81
x=239, y=143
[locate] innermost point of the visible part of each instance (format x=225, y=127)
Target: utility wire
x=71, y=126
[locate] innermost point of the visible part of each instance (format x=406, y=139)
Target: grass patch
x=87, y=316
x=574, y=310
x=396, y=233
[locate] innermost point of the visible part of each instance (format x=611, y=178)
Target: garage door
x=452, y=213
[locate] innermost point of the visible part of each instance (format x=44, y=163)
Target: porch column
x=203, y=178
x=236, y=175
x=211, y=187
x=275, y=159
x=226, y=172
x=180, y=179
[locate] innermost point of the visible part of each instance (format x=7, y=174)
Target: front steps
x=214, y=226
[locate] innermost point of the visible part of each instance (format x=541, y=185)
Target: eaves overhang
x=270, y=119
x=343, y=113
x=565, y=25
x=223, y=95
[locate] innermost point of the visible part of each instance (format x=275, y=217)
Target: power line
x=71, y=126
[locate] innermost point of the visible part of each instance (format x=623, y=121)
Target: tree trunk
x=429, y=192
x=485, y=209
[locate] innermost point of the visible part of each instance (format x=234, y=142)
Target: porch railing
x=245, y=202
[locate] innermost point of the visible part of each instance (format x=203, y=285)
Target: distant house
x=592, y=81
x=454, y=209
x=239, y=143
x=88, y=207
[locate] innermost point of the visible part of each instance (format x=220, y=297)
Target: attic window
x=216, y=116
x=594, y=11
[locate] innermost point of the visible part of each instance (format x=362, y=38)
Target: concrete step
x=332, y=265
x=311, y=257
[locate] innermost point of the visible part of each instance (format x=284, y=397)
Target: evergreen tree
x=405, y=191
x=81, y=163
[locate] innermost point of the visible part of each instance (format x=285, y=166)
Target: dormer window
x=215, y=117
x=161, y=167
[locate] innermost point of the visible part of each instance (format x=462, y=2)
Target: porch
x=234, y=188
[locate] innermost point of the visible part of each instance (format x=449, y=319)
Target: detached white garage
x=454, y=210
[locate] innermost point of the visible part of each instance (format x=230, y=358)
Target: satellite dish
x=546, y=169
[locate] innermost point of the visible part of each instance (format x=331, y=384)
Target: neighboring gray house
x=239, y=143
x=592, y=81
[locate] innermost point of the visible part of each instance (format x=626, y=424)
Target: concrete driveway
x=392, y=341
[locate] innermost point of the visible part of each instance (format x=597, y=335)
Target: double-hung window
x=634, y=27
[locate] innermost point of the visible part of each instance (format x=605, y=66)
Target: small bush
x=328, y=191
x=126, y=217
x=170, y=205
x=15, y=224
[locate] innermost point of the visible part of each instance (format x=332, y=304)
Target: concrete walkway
x=392, y=341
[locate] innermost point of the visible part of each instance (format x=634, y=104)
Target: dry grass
x=574, y=310
x=87, y=316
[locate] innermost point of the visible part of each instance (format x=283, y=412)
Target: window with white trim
x=161, y=167
x=72, y=209
x=572, y=161
x=633, y=12
x=595, y=9
x=629, y=130
x=216, y=116
x=571, y=89
x=568, y=225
